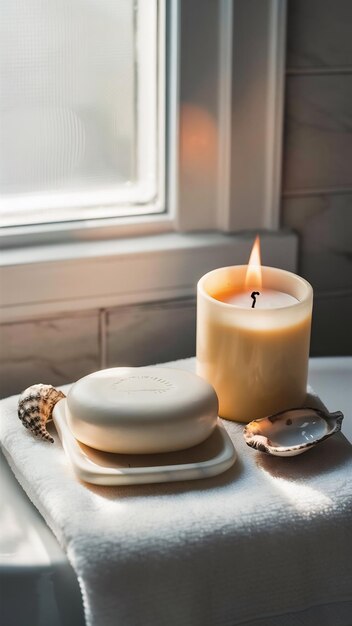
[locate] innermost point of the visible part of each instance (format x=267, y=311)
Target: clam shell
x=292, y=432
x=35, y=406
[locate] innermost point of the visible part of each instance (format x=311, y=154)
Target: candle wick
x=254, y=295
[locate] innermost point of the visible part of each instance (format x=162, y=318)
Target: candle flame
x=254, y=269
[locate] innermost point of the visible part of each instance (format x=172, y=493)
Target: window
x=198, y=151
x=81, y=109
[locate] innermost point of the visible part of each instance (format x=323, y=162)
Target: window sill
x=41, y=281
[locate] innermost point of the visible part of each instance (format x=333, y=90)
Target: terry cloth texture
x=268, y=543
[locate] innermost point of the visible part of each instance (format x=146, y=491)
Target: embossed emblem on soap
x=135, y=384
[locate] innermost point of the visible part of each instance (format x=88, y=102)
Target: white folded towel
x=268, y=543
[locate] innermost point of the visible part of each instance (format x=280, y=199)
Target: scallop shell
x=292, y=432
x=35, y=406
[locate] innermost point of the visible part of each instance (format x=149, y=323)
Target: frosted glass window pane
x=78, y=121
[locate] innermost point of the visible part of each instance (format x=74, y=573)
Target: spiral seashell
x=35, y=406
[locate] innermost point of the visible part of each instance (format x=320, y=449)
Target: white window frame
x=251, y=45
x=100, y=264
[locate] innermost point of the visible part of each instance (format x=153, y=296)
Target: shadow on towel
x=329, y=455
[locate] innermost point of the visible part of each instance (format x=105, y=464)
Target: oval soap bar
x=140, y=410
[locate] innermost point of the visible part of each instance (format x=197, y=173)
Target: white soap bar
x=141, y=410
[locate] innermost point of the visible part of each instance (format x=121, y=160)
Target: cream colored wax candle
x=253, y=333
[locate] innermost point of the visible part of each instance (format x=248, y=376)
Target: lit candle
x=254, y=296
x=253, y=332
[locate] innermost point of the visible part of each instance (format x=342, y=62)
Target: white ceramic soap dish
x=214, y=456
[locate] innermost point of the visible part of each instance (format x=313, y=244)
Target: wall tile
x=319, y=33
x=318, y=156
x=54, y=351
x=151, y=333
x=324, y=224
x=318, y=132
x=331, y=328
